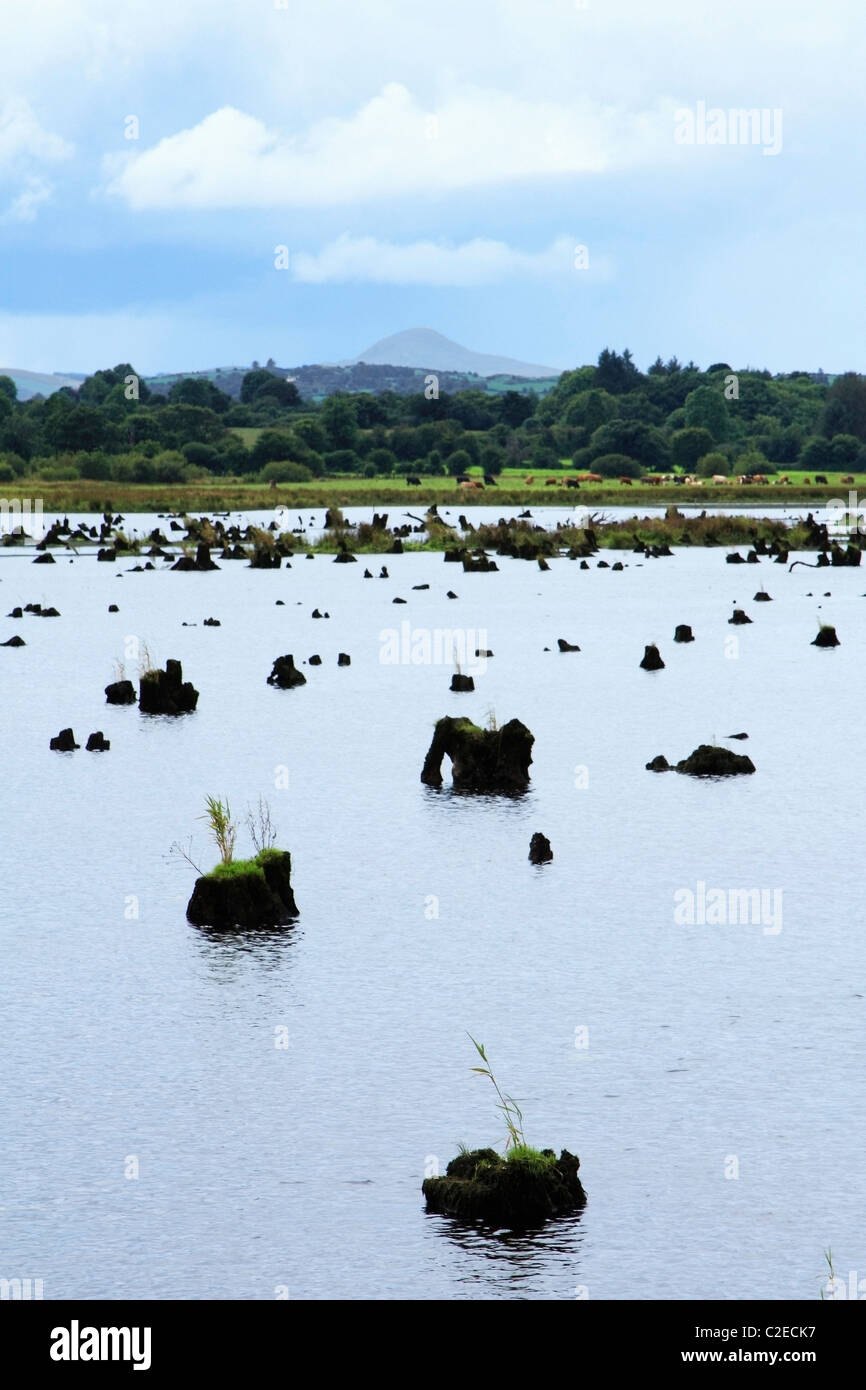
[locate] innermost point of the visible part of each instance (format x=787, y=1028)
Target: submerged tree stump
x=516, y=1192
x=247, y=893
x=482, y=760
x=166, y=692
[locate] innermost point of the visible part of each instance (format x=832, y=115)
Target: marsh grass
x=511, y=1111
x=222, y=828
x=262, y=831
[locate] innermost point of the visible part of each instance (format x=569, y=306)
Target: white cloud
x=24, y=204
x=24, y=140
x=390, y=147
x=477, y=262
x=24, y=144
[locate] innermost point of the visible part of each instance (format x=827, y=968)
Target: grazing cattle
x=551, y=482
x=412, y=481
x=785, y=479
x=653, y=480
x=819, y=478
x=590, y=478
x=718, y=478
x=462, y=478
x=849, y=478
x=477, y=484
x=808, y=481
x=527, y=482
x=490, y=480
x=625, y=482
x=744, y=479
x=761, y=479
x=572, y=482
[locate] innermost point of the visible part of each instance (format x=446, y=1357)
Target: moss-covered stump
x=245, y=893
x=166, y=692
x=482, y=760
x=524, y=1189
x=708, y=761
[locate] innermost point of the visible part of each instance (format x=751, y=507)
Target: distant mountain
x=32, y=384
x=424, y=347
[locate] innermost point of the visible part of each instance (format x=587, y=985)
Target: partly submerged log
x=482, y=760
x=517, y=1192
x=246, y=893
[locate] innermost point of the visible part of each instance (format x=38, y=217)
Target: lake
x=281, y=1095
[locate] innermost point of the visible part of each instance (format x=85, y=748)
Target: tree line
x=610, y=418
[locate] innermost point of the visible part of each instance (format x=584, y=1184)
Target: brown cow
x=527, y=482
x=572, y=482
x=654, y=480
x=625, y=482
x=849, y=478
x=551, y=482
x=784, y=478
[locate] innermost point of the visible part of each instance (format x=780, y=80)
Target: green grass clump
x=238, y=868
x=533, y=1159
x=244, y=868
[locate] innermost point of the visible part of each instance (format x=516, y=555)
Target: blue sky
x=430, y=165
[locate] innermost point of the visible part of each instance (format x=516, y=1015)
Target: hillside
x=424, y=347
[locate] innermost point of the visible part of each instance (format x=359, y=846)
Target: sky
x=193, y=183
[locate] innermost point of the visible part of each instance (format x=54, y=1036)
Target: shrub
x=7, y=473
x=341, y=461
x=616, y=466
x=383, y=459
x=713, y=463
x=169, y=467
x=96, y=466
x=58, y=472
x=284, y=471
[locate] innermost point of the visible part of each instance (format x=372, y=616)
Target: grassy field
x=79, y=495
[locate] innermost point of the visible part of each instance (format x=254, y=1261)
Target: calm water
x=263, y=1166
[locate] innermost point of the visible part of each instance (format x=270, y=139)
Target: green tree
x=706, y=408
x=845, y=411
x=713, y=463
x=634, y=439
x=688, y=445
x=340, y=422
